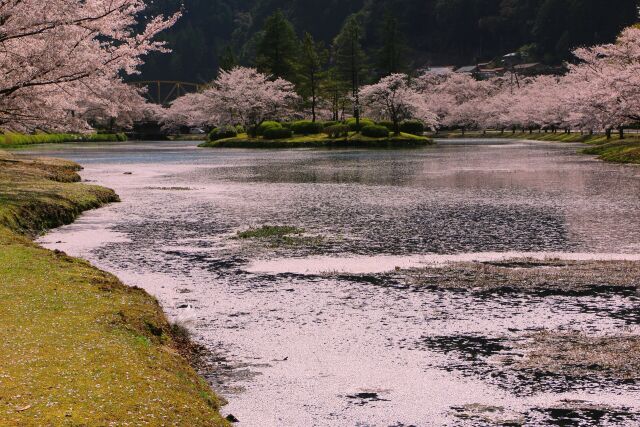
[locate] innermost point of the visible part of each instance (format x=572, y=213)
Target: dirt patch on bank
x=577, y=354
x=524, y=274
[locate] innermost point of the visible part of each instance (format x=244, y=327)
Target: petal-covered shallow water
x=310, y=330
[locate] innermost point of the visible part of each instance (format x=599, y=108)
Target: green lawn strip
x=614, y=149
x=322, y=140
x=620, y=151
x=16, y=140
x=79, y=347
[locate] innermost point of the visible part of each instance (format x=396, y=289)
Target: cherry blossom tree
x=239, y=96
x=192, y=110
x=605, y=83
x=56, y=55
x=395, y=99
x=457, y=99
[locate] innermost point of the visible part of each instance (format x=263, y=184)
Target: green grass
x=620, y=151
x=322, y=140
x=268, y=231
x=78, y=347
x=612, y=150
x=12, y=140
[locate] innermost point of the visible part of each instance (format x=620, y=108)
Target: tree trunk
x=621, y=132
x=313, y=98
x=396, y=127
x=608, y=133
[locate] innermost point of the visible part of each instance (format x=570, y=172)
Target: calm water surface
x=302, y=347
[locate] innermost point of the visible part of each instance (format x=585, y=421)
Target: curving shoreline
x=614, y=150
x=79, y=346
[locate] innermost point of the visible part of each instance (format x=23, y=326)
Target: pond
x=320, y=327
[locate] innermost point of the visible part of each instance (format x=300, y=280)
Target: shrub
x=267, y=125
x=277, y=133
x=223, y=132
x=414, y=127
x=329, y=123
x=306, y=127
x=336, y=131
x=363, y=123
x=374, y=131
x=387, y=124
x=240, y=129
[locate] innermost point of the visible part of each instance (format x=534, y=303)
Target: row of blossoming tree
x=599, y=93
x=63, y=61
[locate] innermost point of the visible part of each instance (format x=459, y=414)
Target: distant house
x=443, y=69
x=468, y=69
x=488, y=73
x=531, y=69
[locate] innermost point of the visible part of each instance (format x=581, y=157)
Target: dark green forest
x=432, y=32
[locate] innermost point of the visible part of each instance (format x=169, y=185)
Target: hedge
x=414, y=127
x=267, y=125
x=375, y=131
x=363, y=122
x=336, y=131
x=223, y=132
x=387, y=124
x=277, y=133
x=306, y=127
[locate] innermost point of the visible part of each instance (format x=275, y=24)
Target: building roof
x=444, y=69
x=525, y=66
x=467, y=69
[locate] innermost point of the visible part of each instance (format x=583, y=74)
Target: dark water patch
x=474, y=414
x=472, y=348
x=504, y=363
x=365, y=398
x=603, y=291
x=583, y=414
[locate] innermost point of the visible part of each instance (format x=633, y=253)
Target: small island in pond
x=365, y=134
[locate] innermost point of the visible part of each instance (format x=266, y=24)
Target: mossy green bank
x=15, y=140
x=79, y=347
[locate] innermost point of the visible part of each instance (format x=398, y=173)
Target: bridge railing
x=162, y=92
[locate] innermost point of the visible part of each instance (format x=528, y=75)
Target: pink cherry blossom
x=239, y=96
x=394, y=98
x=61, y=59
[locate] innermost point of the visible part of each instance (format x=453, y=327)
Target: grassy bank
x=13, y=140
x=321, y=140
x=617, y=150
x=78, y=347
